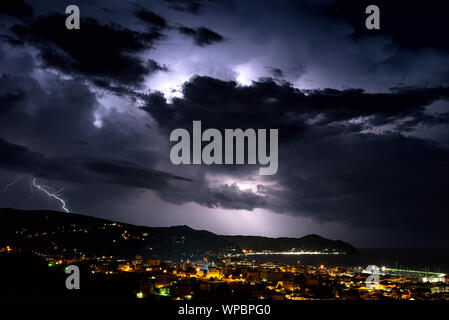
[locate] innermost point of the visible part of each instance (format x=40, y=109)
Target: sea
x=430, y=260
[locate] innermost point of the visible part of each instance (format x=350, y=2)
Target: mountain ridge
x=60, y=233
x=310, y=242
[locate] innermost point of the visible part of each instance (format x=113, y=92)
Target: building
x=137, y=261
x=163, y=279
x=154, y=262
x=253, y=276
x=215, y=272
x=274, y=276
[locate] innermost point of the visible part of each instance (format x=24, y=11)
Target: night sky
x=362, y=114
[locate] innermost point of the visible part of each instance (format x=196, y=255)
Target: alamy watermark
x=73, y=20
x=189, y=150
x=73, y=280
x=371, y=22
x=372, y=282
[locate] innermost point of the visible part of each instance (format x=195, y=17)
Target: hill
x=74, y=235
x=69, y=234
x=310, y=242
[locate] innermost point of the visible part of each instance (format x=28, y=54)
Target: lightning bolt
x=11, y=184
x=54, y=195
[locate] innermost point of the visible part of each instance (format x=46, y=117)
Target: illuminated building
x=434, y=279
x=215, y=273
x=154, y=262
x=253, y=276
x=124, y=267
x=274, y=276
x=137, y=261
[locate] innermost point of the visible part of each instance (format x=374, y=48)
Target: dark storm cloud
x=128, y=173
x=82, y=169
x=267, y=104
x=61, y=114
x=10, y=100
x=339, y=105
x=411, y=25
x=232, y=197
x=16, y=63
x=222, y=196
x=383, y=180
x=80, y=142
x=202, y=36
x=115, y=61
x=17, y=9
x=153, y=21
x=328, y=169
x=192, y=6
x=275, y=72
x=69, y=148
x=153, y=66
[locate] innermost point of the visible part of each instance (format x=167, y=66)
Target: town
x=240, y=279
